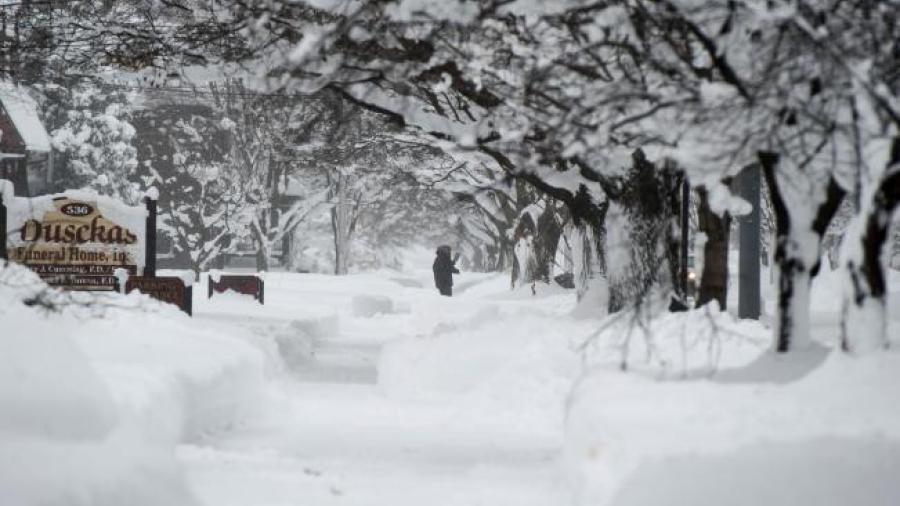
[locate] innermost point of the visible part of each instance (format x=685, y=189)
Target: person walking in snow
x=444, y=268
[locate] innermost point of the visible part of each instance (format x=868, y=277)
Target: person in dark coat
x=444, y=268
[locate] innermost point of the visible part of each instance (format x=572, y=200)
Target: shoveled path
x=327, y=434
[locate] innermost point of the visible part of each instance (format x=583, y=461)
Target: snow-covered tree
x=95, y=143
x=182, y=149
x=561, y=94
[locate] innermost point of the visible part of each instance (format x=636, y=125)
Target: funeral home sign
x=76, y=239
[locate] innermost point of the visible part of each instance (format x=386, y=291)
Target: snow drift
x=96, y=390
x=811, y=427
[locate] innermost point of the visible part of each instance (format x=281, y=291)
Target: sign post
x=150, y=255
x=3, y=255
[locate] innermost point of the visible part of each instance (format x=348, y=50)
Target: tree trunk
x=798, y=248
x=286, y=250
x=262, y=247
x=262, y=260
x=546, y=241
x=714, y=279
x=340, y=224
x=587, y=264
x=504, y=254
x=524, y=265
x=864, y=322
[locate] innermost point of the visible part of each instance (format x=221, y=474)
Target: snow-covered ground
x=371, y=389
x=396, y=396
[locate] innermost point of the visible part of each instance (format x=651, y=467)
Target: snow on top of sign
x=22, y=110
x=187, y=276
x=216, y=274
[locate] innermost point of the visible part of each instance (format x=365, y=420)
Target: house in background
x=25, y=151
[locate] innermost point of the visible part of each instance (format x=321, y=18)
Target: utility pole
x=685, y=236
x=748, y=186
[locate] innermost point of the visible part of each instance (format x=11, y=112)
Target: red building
x=25, y=151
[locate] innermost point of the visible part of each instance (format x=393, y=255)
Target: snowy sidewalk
x=346, y=444
x=329, y=433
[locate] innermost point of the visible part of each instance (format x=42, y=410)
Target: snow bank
x=118, y=470
x=518, y=365
x=829, y=434
x=175, y=379
x=676, y=345
x=820, y=471
x=370, y=305
x=295, y=343
x=96, y=390
x=47, y=386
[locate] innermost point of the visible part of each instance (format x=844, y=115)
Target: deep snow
x=371, y=389
x=376, y=404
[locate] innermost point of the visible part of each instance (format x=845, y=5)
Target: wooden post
x=189, y=300
x=150, y=243
x=3, y=255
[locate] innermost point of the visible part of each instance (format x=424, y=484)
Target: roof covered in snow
x=22, y=111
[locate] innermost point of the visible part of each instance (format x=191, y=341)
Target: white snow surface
x=818, y=426
x=93, y=398
x=371, y=389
